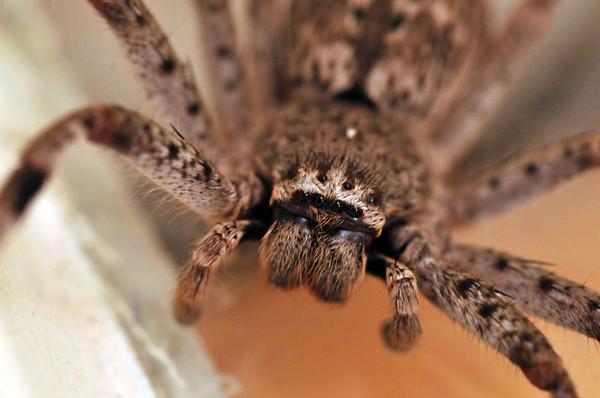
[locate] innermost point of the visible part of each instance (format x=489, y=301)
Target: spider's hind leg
x=524, y=177
x=460, y=126
x=534, y=288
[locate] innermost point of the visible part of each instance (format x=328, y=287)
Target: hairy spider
x=348, y=117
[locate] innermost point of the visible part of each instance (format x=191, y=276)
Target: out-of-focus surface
x=80, y=316
x=284, y=344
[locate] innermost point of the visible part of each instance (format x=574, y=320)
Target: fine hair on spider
x=342, y=160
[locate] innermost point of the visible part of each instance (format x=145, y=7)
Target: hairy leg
x=167, y=80
x=162, y=155
x=455, y=132
x=225, y=67
x=267, y=46
x=524, y=177
x=208, y=254
x=534, y=288
x=481, y=310
x=402, y=331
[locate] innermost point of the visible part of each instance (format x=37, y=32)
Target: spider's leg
x=481, y=310
x=454, y=132
x=225, y=67
x=535, y=289
x=162, y=155
x=207, y=255
x=167, y=80
x=267, y=46
x=524, y=177
x=402, y=331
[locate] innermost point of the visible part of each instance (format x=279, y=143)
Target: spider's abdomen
x=405, y=55
x=348, y=154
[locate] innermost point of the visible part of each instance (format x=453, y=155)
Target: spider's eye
x=337, y=206
x=347, y=185
x=301, y=197
x=359, y=14
x=374, y=200
x=353, y=212
x=318, y=200
x=322, y=178
x=398, y=21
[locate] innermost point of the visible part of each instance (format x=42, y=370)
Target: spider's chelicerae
x=347, y=117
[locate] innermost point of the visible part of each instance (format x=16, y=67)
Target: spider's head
x=322, y=226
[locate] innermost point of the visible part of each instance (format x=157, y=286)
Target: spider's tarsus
x=401, y=333
x=208, y=254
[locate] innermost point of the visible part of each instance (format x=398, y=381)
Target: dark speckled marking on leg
x=24, y=184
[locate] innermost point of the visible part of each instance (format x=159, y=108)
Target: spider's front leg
x=481, y=310
x=534, y=288
x=208, y=254
x=402, y=331
x=167, y=80
x=162, y=155
x=524, y=177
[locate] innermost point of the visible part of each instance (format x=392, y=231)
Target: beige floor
x=286, y=344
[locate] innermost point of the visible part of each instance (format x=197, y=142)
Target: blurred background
x=286, y=344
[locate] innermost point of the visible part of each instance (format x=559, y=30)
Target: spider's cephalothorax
x=335, y=184
x=332, y=143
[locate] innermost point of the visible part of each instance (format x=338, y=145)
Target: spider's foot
x=402, y=332
x=189, y=295
x=186, y=313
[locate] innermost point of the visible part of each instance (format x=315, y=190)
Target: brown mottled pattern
x=167, y=80
x=404, y=329
x=405, y=55
x=207, y=256
x=534, y=288
x=343, y=172
x=225, y=66
x=481, y=310
x=163, y=156
x=523, y=177
x=456, y=128
x=379, y=156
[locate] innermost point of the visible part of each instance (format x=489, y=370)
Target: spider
x=348, y=117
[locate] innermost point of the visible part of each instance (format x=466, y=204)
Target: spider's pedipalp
x=482, y=310
x=167, y=80
x=454, y=131
x=161, y=155
x=404, y=329
x=524, y=177
x=208, y=254
x=297, y=251
x=534, y=289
